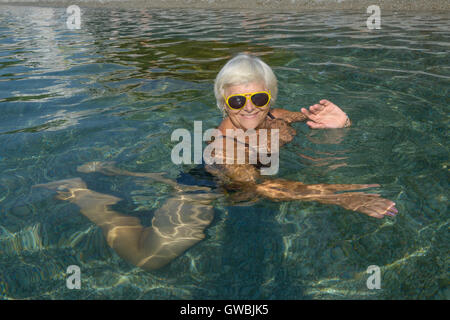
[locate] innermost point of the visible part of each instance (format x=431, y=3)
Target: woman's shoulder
x=225, y=124
x=278, y=113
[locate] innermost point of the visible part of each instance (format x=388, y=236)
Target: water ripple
x=115, y=89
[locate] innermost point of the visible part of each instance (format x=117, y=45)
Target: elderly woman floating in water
x=245, y=89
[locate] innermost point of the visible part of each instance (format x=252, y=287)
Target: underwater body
x=115, y=89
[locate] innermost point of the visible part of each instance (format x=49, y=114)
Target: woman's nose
x=249, y=105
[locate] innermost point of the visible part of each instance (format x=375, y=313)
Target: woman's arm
x=239, y=179
x=370, y=204
x=288, y=116
x=246, y=178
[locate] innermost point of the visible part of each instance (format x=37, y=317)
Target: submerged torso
x=243, y=176
x=286, y=132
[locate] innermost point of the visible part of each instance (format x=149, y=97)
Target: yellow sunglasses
x=237, y=101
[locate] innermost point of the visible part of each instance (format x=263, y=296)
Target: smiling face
x=250, y=116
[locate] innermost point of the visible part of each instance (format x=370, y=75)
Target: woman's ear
x=224, y=111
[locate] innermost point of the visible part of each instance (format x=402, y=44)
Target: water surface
x=115, y=90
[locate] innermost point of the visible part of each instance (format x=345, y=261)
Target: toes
x=378, y=207
x=373, y=213
x=96, y=166
x=392, y=211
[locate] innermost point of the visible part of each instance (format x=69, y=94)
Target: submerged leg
x=109, y=169
x=176, y=226
x=367, y=203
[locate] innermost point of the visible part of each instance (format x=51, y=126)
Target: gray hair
x=243, y=69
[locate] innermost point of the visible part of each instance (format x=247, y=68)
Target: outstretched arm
x=246, y=178
x=370, y=204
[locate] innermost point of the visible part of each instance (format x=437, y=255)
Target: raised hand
x=325, y=115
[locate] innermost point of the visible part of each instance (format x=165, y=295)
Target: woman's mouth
x=249, y=116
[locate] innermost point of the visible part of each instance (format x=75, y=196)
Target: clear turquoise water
x=116, y=89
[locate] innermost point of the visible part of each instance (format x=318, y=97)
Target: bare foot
x=106, y=167
x=66, y=189
x=371, y=204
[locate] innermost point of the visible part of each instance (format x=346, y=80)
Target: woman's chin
x=248, y=123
